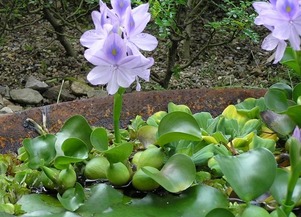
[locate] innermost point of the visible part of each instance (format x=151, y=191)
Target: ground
x=33, y=50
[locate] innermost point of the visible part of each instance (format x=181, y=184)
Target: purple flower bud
x=297, y=133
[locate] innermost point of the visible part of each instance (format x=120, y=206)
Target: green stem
x=116, y=113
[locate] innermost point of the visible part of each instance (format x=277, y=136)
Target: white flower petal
x=100, y=75
x=144, y=41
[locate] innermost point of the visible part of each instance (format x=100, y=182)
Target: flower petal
x=100, y=75
x=120, y=6
x=125, y=77
x=113, y=86
x=280, y=51
x=144, y=41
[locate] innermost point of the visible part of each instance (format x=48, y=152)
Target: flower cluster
x=115, y=43
x=283, y=19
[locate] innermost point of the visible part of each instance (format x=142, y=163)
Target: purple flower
x=114, y=67
x=283, y=18
x=297, y=133
x=270, y=43
x=135, y=22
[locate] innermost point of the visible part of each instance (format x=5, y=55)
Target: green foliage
x=165, y=15
x=239, y=17
x=195, y=151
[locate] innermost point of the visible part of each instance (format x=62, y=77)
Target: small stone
x=6, y=110
x=97, y=93
x=79, y=88
x=54, y=93
x=35, y=84
x=26, y=96
x=15, y=108
x=4, y=91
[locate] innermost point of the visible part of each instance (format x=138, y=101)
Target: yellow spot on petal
x=288, y=9
x=114, y=52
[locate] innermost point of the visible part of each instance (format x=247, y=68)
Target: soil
x=33, y=50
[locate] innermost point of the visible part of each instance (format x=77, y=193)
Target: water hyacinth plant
x=245, y=162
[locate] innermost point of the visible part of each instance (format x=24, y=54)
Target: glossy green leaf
x=99, y=139
x=75, y=127
x=252, y=211
x=230, y=113
x=297, y=92
x=283, y=87
x=102, y=197
x=74, y=150
x=228, y=127
x=250, y=170
x=203, y=155
x=252, y=125
x=3, y=214
x=177, y=174
x=259, y=142
x=177, y=126
x=251, y=107
x=203, y=119
x=40, y=202
x=156, y=118
x=291, y=58
x=276, y=100
x=40, y=150
x=72, y=198
x=220, y=212
x=196, y=201
x=119, y=153
x=182, y=108
x=279, y=187
x=48, y=214
x=294, y=113
x=282, y=124
x=147, y=135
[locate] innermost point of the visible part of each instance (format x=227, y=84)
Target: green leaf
x=99, y=139
x=75, y=127
x=294, y=113
x=251, y=107
x=250, y=170
x=252, y=125
x=102, y=197
x=228, y=127
x=282, y=124
x=297, y=92
x=177, y=174
x=276, y=100
x=40, y=150
x=259, y=142
x=74, y=150
x=195, y=201
x=220, y=212
x=147, y=135
x=182, y=108
x=156, y=118
x=119, y=153
x=40, y=202
x=203, y=155
x=177, y=126
x=279, y=187
x=253, y=210
x=72, y=198
x=291, y=59
x=203, y=119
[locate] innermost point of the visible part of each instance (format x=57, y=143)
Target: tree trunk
x=188, y=30
x=59, y=29
x=171, y=62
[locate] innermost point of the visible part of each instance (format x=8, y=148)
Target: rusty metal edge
x=98, y=111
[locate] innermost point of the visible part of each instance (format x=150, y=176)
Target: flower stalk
x=117, y=113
